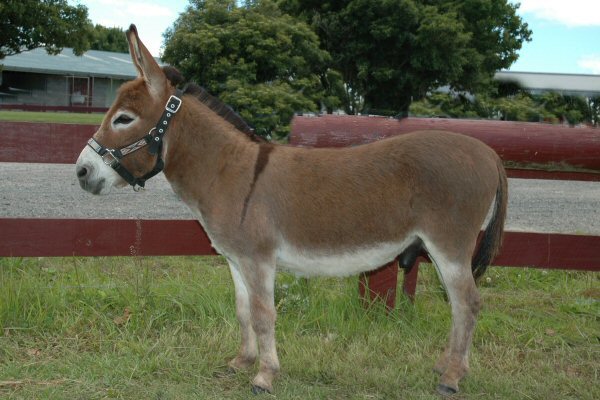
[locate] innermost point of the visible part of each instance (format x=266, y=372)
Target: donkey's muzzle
x=88, y=184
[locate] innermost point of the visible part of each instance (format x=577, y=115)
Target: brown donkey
x=312, y=211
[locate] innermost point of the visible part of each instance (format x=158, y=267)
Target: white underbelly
x=307, y=262
x=338, y=262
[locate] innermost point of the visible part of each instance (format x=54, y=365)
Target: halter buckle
x=111, y=163
x=173, y=104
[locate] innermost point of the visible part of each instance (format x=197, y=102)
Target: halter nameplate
x=153, y=139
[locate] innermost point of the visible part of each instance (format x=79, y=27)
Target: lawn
x=164, y=328
x=54, y=117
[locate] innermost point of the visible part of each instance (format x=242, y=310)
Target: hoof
x=445, y=390
x=259, y=390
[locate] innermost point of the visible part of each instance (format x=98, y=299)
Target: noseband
x=153, y=139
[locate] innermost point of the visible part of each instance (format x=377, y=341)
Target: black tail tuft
x=492, y=235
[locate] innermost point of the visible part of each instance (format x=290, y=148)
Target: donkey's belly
x=338, y=262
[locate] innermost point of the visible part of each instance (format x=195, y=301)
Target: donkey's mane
x=212, y=102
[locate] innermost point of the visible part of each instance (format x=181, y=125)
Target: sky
x=565, y=39
x=151, y=17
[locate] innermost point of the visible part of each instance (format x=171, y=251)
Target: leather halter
x=153, y=139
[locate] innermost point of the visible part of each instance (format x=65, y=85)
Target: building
x=36, y=80
x=540, y=82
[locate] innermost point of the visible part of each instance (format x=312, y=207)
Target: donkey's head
x=110, y=158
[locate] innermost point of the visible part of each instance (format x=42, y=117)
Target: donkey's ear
x=145, y=64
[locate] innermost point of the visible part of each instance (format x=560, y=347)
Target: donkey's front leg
x=248, y=350
x=260, y=282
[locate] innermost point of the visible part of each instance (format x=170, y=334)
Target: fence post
x=409, y=285
x=380, y=284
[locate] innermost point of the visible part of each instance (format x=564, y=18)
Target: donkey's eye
x=123, y=119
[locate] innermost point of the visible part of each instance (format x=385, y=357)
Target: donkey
x=321, y=211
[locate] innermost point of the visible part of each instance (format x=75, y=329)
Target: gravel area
x=52, y=191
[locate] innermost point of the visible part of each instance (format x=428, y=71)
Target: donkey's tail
x=492, y=235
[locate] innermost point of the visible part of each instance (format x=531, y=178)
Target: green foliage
x=594, y=104
x=571, y=109
x=518, y=108
x=521, y=106
x=264, y=63
x=109, y=39
x=445, y=105
x=53, y=24
x=268, y=106
x=390, y=51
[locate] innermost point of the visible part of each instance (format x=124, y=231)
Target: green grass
x=54, y=117
x=163, y=328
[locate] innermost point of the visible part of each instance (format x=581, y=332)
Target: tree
x=53, y=24
x=391, y=51
x=265, y=64
x=109, y=39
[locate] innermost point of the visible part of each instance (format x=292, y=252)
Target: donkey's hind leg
x=465, y=304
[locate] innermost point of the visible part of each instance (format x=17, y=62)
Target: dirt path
x=52, y=191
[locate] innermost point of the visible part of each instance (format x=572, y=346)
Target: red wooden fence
x=553, y=156
x=43, y=108
x=529, y=150
x=36, y=142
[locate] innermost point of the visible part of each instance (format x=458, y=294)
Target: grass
x=163, y=328
x=54, y=117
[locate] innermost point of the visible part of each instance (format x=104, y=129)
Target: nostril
x=82, y=172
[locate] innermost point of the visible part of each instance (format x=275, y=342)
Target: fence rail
x=38, y=142
x=57, y=237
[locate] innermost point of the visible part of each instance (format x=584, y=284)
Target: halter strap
x=153, y=139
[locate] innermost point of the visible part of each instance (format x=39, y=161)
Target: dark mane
x=222, y=109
